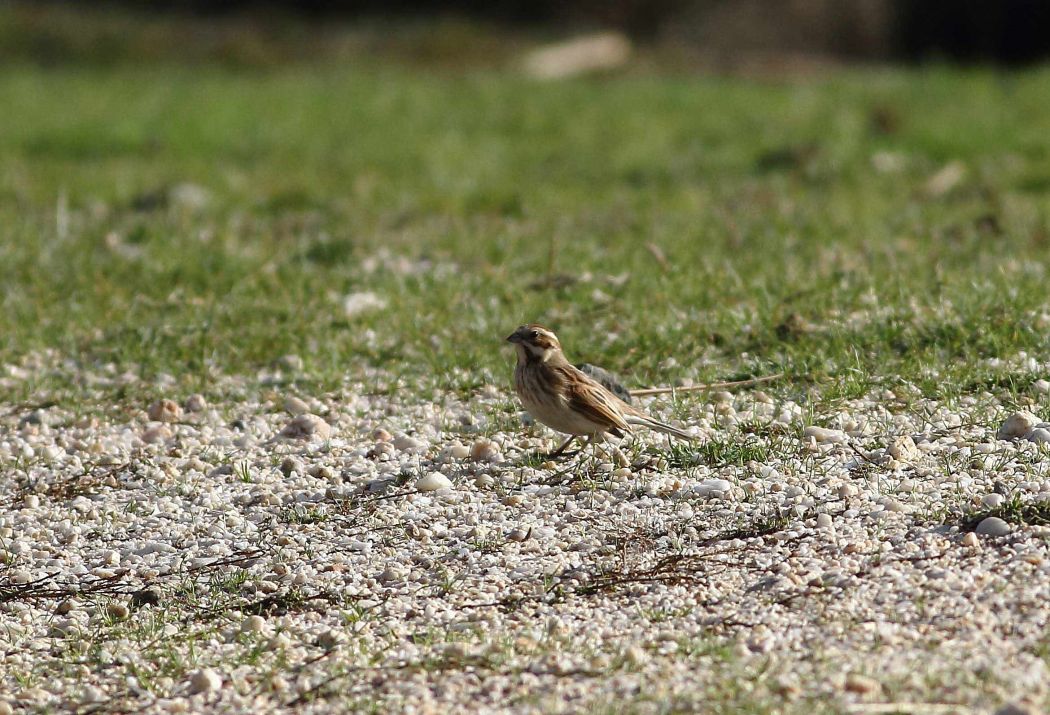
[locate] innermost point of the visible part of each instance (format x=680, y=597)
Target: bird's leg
x=559, y=453
x=559, y=477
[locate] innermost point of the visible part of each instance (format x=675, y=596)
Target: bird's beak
x=514, y=338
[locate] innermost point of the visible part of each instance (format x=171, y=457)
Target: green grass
x=491, y=200
x=1014, y=511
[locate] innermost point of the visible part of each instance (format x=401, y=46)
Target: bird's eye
x=534, y=334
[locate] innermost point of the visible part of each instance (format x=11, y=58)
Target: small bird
x=565, y=398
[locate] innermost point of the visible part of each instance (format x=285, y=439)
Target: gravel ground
x=370, y=550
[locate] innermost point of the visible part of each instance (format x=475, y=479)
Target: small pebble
x=196, y=403
x=1039, y=435
x=821, y=435
x=485, y=450
x=307, y=426
x=156, y=433
x=290, y=465
x=204, y=680
x=635, y=655
x=903, y=449
x=165, y=411
x=991, y=501
x=253, y=624
x=290, y=362
x=117, y=610
x=295, y=406
x=1015, y=709
x=405, y=443
x=860, y=684
x=1017, y=426
x=433, y=482
x=519, y=534
x=993, y=526
x=329, y=640
x=145, y=597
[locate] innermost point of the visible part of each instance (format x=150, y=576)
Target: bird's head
x=535, y=342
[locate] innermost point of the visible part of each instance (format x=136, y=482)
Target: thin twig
x=709, y=386
x=863, y=456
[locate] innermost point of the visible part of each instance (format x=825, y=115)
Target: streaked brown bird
x=566, y=399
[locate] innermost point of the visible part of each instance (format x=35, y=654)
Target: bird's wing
x=593, y=401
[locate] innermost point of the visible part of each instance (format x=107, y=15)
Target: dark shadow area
x=1006, y=32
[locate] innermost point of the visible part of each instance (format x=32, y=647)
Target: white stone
x=635, y=655
x=822, y=435
x=860, y=684
x=156, y=433
x=485, y=450
x=903, y=449
x=433, y=482
x=356, y=303
x=970, y=540
x=307, y=426
x=189, y=196
x=993, y=526
x=519, y=534
x=1017, y=426
x=713, y=487
x=1042, y=386
x=117, y=610
x=1040, y=435
x=991, y=501
x=204, y=680
x=196, y=403
x=589, y=53
x=824, y=521
x=295, y=405
x=165, y=411
x=405, y=443
x=330, y=639
x=290, y=362
x=253, y=624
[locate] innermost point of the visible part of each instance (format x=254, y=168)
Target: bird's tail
x=658, y=426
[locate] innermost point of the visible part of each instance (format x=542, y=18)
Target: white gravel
x=413, y=554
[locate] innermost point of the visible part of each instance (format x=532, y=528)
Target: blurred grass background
x=201, y=201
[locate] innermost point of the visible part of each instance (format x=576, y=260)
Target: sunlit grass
x=204, y=223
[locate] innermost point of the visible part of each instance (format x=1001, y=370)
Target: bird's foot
x=559, y=454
